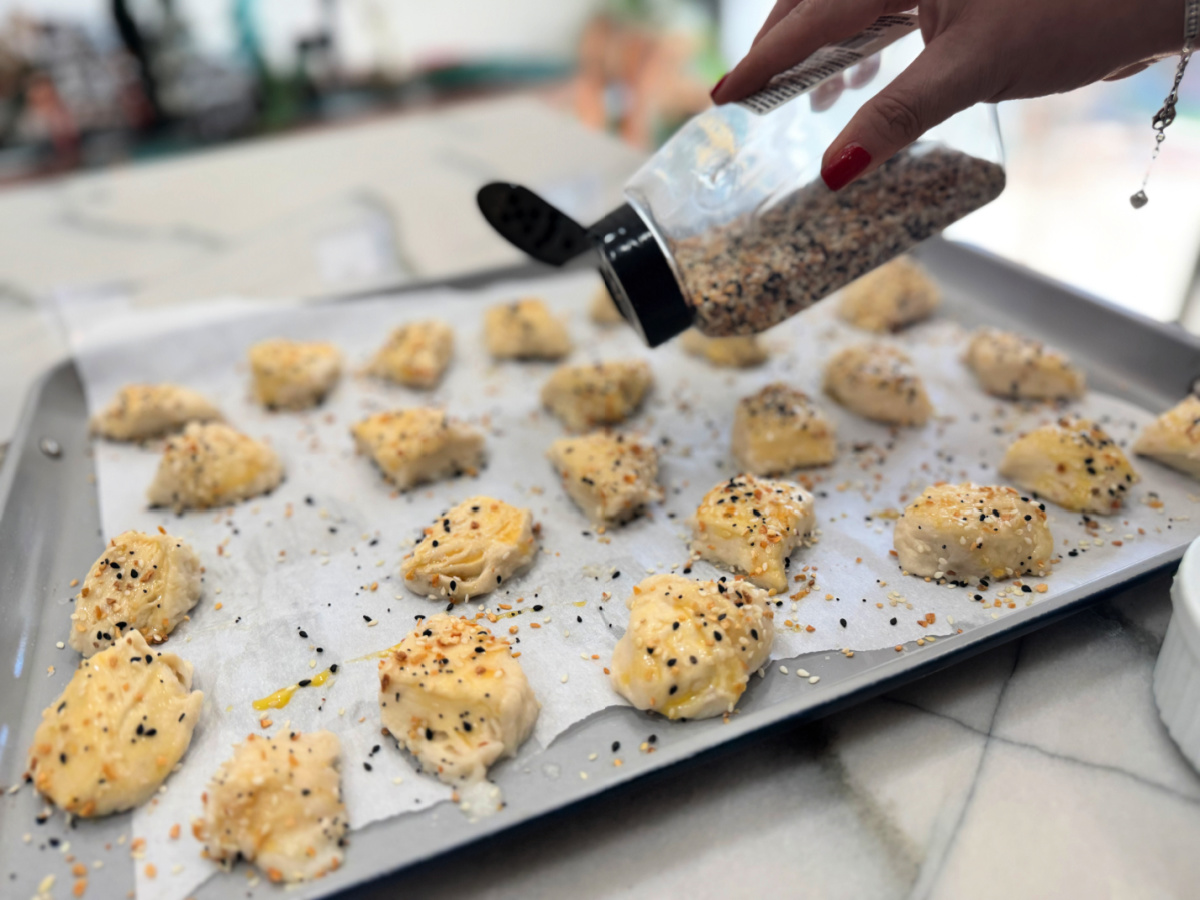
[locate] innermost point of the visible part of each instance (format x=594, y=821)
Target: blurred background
x=92, y=84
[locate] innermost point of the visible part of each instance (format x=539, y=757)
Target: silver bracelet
x=1166, y=115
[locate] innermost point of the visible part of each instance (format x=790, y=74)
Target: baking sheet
x=692, y=408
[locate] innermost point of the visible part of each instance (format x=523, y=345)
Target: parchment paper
x=321, y=554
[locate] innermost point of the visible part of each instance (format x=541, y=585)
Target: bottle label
x=829, y=61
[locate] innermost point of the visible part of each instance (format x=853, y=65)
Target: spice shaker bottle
x=729, y=227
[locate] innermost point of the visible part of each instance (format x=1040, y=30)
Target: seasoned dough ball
x=115, y=732
x=966, y=531
x=691, y=646
x=738, y=352
x=892, y=297
x=277, y=802
x=598, y=394
x=603, y=309
x=751, y=525
x=212, y=465
x=454, y=697
x=878, y=382
x=141, y=411
x=1174, y=438
x=415, y=354
x=293, y=375
x=413, y=446
x=525, y=329
x=471, y=550
x=1017, y=367
x=141, y=581
x=780, y=429
x=611, y=477
x=1071, y=462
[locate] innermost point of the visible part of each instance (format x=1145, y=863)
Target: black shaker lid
x=531, y=224
x=639, y=276
x=633, y=263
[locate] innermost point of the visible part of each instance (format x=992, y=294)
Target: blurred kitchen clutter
x=88, y=83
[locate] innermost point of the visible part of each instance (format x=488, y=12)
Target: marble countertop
x=1039, y=769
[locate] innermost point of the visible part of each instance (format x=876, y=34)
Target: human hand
x=975, y=51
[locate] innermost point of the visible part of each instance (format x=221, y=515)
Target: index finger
x=803, y=30
x=781, y=9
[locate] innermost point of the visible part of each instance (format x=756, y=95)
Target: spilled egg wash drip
x=283, y=696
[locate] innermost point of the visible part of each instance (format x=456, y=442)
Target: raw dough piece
x=413, y=446
x=691, y=646
x=115, y=732
x=141, y=581
x=1020, y=368
x=598, y=394
x=453, y=696
x=780, y=429
x=415, y=354
x=603, y=309
x=751, y=525
x=611, y=477
x=213, y=465
x=892, y=297
x=878, y=382
x=961, y=532
x=738, y=352
x=525, y=329
x=141, y=411
x=293, y=375
x=277, y=802
x=1071, y=462
x=471, y=550
x=1173, y=439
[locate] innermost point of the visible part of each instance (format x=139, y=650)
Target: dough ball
x=415, y=355
x=1020, y=368
x=892, y=297
x=751, y=525
x=691, y=646
x=878, y=382
x=115, y=732
x=213, y=465
x=146, y=582
x=961, y=532
x=414, y=446
x=277, y=802
x=1073, y=463
x=737, y=352
x=471, y=550
x=597, y=394
x=453, y=696
x=603, y=309
x=611, y=477
x=141, y=411
x=293, y=375
x=780, y=429
x=525, y=329
x=1173, y=439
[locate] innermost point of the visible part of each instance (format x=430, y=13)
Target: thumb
x=935, y=86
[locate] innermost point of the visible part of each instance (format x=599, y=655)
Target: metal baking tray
x=50, y=533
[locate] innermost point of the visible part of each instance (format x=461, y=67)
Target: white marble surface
x=1039, y=769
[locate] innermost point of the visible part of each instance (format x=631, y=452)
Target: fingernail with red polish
x=846, y=166
x=717, y=87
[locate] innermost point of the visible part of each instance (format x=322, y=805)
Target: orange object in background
x=636, y=80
